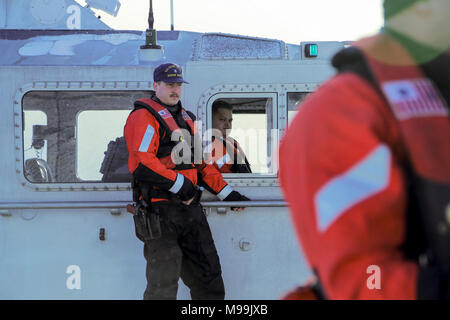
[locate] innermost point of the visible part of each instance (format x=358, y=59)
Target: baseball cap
x=168, y=72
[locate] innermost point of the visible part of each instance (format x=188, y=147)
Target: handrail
x=253, y=203
x=63, y=204
x=123, y=204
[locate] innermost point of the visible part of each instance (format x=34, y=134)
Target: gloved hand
x=236, y=196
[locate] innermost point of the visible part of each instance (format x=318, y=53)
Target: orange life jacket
x=228, y=156
x=164, y=117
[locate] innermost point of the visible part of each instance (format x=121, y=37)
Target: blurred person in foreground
x=365, y=164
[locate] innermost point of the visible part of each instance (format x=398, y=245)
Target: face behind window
x=247, y=122
x=222, y=120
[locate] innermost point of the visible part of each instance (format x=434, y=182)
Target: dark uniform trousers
x=185, y=249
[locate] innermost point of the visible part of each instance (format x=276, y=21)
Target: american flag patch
x=164, y=114
x=414, y=98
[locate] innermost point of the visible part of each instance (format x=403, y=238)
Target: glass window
x=95, y=129
x=250, y=132
x=34, y=146
x=76, y=136
x=294, y=100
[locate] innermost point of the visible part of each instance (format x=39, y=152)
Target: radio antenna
x=150, y=33
x=171, y=15
x=151, y=20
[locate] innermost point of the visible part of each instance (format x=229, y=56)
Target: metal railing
x=4, y=206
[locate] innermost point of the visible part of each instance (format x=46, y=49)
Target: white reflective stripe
x=225, y=192
x=178, y=183
x=363, y=180
x=220, y=162
x=145, y=143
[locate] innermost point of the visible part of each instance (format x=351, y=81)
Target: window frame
x=287, y=104
x=248, y=90
x=283, y=95
x=77, y=145
x=65, y=86
x=274, y=116
x=280, y=121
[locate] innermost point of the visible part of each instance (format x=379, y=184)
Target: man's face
x=168, y=93
x=222, y=120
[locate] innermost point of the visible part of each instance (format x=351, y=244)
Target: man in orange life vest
x=365, y=163
x=226, y=154
x=166, y=179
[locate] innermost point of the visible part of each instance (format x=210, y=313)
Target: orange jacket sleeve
x=142, y=136
x=213, y=181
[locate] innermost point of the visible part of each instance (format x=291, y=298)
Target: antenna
x=151, y=51
x=150, y=33
x=171, y=15
x=150, y=16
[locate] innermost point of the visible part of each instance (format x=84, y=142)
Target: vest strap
x=164, y=116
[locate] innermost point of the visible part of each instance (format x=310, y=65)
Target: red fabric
x=390, y=62
x=336, y=128
x=134, y=131
x=301, y=293
x=212, y=177
x=219, y=152
x=167, y=116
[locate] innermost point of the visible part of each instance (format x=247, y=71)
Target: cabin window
x=253, y=129
x=35, y=148
x=95, y=130
x=294, y=101
x=76, y=136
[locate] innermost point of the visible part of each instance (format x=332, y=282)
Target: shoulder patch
x=414, y=98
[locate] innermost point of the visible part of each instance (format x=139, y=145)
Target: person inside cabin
x=226, y=153
x=364, y=165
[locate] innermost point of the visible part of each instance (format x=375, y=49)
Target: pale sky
x=292, y=21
